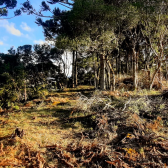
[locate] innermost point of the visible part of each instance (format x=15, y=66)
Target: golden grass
x=79, y=87
x=43, y=125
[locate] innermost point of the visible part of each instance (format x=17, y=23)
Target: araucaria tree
x=5, y=5
x=123, y=36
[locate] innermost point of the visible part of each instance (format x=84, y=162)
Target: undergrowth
x=70, y=129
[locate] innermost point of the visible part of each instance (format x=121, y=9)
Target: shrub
x=42, y=93
x=16, y=107
x=139, y=104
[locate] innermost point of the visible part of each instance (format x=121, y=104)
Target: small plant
x=16, y=107
x=94, y=104
x=139, y=104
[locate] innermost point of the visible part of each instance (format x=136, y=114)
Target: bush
x=41, y=94
x=16, y=107
x=94, y=104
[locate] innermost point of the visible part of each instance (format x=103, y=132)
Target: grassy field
x=86, y=124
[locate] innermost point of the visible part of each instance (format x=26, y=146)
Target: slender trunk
x=106, y=76
x=98, y=76
x=95, y=75
x=137, y=57
x=95, y=79
x=166, y=72
x=109, y=79
x=135, y=85
x=119, y=66
x=131, y=65
x=122, y=71
x=98, y=70
x=148, y=74
x=155, y=73
x=127, y=64
x=116, y=66
x=112, y=84
x=25, y=91
x=102, y=72
x=73, y=70
x=159, y=78
x=76, y=70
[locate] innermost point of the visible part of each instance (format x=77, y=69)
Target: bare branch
x=64, y=5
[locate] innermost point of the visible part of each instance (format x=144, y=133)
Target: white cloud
x=25, y=27
x=39, y=42
x=1, y=43
x=43, y=42
x=10, y=27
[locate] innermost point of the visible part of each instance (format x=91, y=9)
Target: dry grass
x=43, y=126
x=55, y=137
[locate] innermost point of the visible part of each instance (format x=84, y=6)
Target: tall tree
x=99, y=26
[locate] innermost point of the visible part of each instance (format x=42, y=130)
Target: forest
x=97, y=97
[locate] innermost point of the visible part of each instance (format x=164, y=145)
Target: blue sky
x=21, y=30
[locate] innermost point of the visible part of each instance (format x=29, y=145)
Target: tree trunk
x=131, y=64
x=137, y=57
x=116, y=66
x=76, y=70
x=119, y=66
x=106, y=72
x=73, y=69
x=135, y=85
x=155, y=73
x=159, y=78
x=109, y=79
x=98, y=76
x=127, y=64
x=95, y=79
x=25, y=91
x=112, y=84
x=102, y=72
x=166, y=72
x=95, y=75
x=122, y=69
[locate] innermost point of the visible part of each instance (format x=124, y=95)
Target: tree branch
x=40, y=15
x=7, y=18
x=64, y=5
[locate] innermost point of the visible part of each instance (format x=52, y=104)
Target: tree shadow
x=86, y=121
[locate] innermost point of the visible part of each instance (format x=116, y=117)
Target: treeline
x=122, y=37
x=26, y=72
x=107, y=39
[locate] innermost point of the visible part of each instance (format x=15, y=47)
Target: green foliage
x=16, y=107
x=43, y=93
x=8, y=4
x=40, y=93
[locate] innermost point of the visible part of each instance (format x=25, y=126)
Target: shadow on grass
x=86, y=121
x=54, y=112
x=77, y=90
x=86, y=92
x=66, y=122
x=63, y=118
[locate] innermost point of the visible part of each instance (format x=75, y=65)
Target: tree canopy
x=5, y=5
